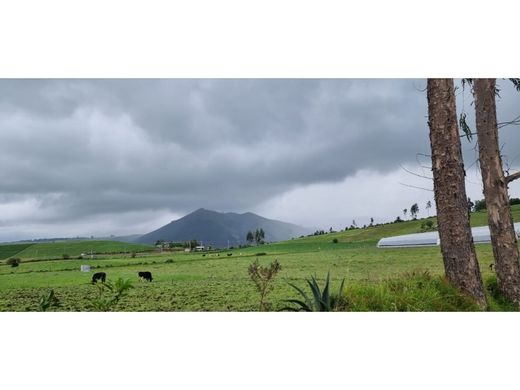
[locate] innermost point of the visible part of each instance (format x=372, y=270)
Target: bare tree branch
x=419, y=188
x=512, y=177
x=415, y=174
x=514, y=122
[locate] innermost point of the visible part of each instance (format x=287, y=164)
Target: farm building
x=480, y=235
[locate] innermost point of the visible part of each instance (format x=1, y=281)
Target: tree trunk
x=458, y=250
x=500, y=221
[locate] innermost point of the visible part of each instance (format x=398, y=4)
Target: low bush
x=65, y=256
x=13, y=262
x=334, y=240
x=230, y=254
x=169, y=261
x=263, y=278
x=260, y=254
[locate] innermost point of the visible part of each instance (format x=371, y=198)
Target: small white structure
x=200, y=248
x=480, y=235
x=85, y=268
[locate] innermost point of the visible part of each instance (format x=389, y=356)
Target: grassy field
x=218, y=282
x=52, y=250
x=10, y=250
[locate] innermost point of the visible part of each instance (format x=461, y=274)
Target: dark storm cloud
x=91, y=147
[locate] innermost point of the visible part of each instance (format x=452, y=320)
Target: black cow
x=145, y=275
x=99, y=276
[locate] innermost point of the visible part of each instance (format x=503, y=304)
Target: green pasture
x=49, y=250
x=218, y=282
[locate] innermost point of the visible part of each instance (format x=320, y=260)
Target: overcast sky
x=101, y=157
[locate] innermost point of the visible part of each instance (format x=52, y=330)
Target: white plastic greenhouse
x=480, y=235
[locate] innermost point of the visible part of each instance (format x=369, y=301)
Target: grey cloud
x=95, y=147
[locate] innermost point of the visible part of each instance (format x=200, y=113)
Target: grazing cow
x=145, y=275
x=99, y=276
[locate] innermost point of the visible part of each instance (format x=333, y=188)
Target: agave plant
x=109, y=294
x=320, y=300
x=48, y=301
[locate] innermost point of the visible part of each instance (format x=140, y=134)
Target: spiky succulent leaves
x=325, y=296
x=337, y=300
x=315, y=289
x=304, y=306
x=307, y=304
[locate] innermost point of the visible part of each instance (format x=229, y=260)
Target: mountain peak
x=222, y=229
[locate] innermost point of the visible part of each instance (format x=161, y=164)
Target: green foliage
x=464, y=127
x=321, y=300
x=516, y=83
x=109, y=294
x=74, y=248
x=413, y=291
x=169, y=261
x=260, y=254
x=428, y=226
x=10, y=250
x=211, y=283
x=259, y=236
x=13, y=262
x=335, y=241
x=414, y=210
x=263, y=278
x=48, y=300
x=66, y=256
x=497, y=301
x=480, y=205
x=191, y=244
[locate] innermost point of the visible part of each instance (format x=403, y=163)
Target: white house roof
x=480, y=235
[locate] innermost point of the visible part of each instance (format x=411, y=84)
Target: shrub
x=133, y=255
x=14, y=261
x=480, y=205
x=263, y=278
x=65, y=256
x=230, y=254
x=427, y=226
x=169, y=261
x=260, y=254
x=321, y=300
x=335, y=240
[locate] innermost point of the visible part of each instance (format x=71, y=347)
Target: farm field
x=218, y=282
x=51, y=250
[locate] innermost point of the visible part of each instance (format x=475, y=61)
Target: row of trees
x=457, y=247
x=258, y=236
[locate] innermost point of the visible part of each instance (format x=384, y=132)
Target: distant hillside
x=75, y=248
x=220, y=229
